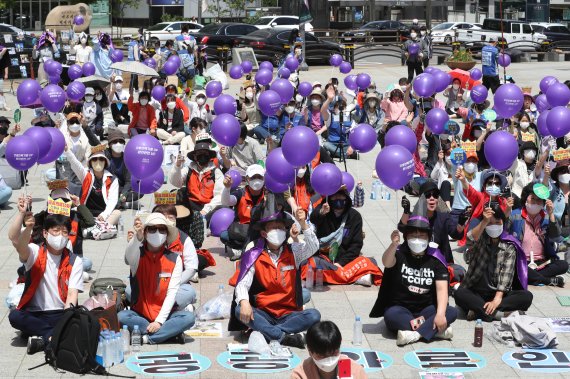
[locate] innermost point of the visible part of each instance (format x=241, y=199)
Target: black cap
x=5, y=120
x=428, y=186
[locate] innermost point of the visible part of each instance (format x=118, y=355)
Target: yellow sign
x=164, y=198
x=469, y=146
x=59, y=207
x=527, y=137
x=561, y=154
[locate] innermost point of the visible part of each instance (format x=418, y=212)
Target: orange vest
x=74, y=230
x=150, y=283
x=36, y=274
x=88, y=182
x=316, y=160
x=201, y=191
x=245, y=206
x=178, y=245
x=281, y=284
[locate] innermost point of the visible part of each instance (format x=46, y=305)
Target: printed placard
x=561, y=154
x=469, y=146
x=458, y=156
x=371, y=360
x=452, y=128
x=168, y=363
x=242, y=360
x=543, y=361
x=165, y=197
x=527, y=137
x=59, y=207
x=445, y=360
x=560, y=324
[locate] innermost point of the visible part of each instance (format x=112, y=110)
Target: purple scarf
x=43, y=38
x=436, y=253
x=249, y=257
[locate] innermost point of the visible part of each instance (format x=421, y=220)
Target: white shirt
x=190, y=258
x=302, y=250
x=82, y=53
x=47, y=296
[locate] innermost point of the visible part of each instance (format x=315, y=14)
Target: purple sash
x=521, y=264
x=249, y=257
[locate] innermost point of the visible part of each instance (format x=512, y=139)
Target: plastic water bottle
x=99, y=355
x=107, y=353
x=478, y=337
x=357, y=332
x=205, y=227
x=126, y=339
x=136, y=339
x=387, y=194
x=121, y=226
x=319, y=280
x=220, y=289
x=310, y=278
x=119, y=346
x=380, y=190
x=373, y=191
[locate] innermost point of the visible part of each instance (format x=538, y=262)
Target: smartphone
x=344, y=369
x=417, y=322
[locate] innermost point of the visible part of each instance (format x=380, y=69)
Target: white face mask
x=493, y=190
x=315, y=102
x=423, y=33
x=83, y=41
x=470, y=167
x=289, y=109
x=155, y=239
x=98, y=97
x=53, y=116
x=413, y=35
x=417, y=246
x=530, y=154
x=372, y=103
x=443, y=137
x=524, y=125
x=171, y=105
x=118, y=86
x=298, y=98
x=256, y=184
x=448, y=160
x=327, y=364
x=56, y=242
x=249, y=95
x=200, y=101
x=564, y=178
x=98, y=166
x=118, y=147
x=301, y=172
x=403, y=88
x=456, y=87
x=89, y=99
x=143, y=102
x=74, y=128
x=276, y=237
x=477, y=133
x=533, y=209
x=494, y=231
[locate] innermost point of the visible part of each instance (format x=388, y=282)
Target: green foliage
x=170, y=18
x=460, y=55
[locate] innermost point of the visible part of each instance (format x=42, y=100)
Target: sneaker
x=145, y=339
x=236, y=254
x=181, y=338
x=471, y=316
x=35, y=344
x=365, y=280
x=87, y=233
x=194, y=278
x=446, y=335
x=294, y=340
x=407, y=336
x=189, y=308
x=557, y=281
x=86, y=277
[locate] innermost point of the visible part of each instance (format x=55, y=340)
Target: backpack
x=100, y=286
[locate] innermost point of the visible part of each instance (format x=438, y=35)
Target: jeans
x=39, y=323
x=5, y=194
x=468, y=299
x=554, y=268
x=185, y=296
x=397, y=318
x=87, y=264
x=276, y=328
x=176, y=323
x=306, y=296
x=334, y=148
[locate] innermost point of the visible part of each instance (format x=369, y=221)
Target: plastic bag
x=258, y=344
x=14, y=296
x=216, y=73
x=217, y=308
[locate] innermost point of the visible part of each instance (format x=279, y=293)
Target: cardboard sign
x=527, y=137
x=165, y=197
x=458, y=156
x=371, y=360
x=445, y=360
x=540, y=361
x=561, y=154
x=469, y=146
x=541, y=191
x=242, y=360
x=205, y=329
x=59, y=207
x=168, y=363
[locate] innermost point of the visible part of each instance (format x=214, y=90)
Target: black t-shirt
x=413, y=282
x=95, y=202
x=4, y=62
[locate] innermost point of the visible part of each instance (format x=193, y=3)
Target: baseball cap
x=253, y=170
x=492, y=39
x=89, y=91
x=118, y=78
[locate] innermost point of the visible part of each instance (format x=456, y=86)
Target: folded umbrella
x=94, y=81
x=464, y=77
x=134, y=67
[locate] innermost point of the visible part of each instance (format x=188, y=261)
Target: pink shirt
x=316, y=123
x=394, y=111
x=531, y=241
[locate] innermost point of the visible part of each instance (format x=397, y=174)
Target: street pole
x=428, y=14
x=372, y=10
x=303, y=66
x=200, y=12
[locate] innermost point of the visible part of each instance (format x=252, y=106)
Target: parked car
x=445, y=32
x=281, y=21
x=164, y=31
x=554, y=32
x=7, y=28
x=372, y=31
x=273, y=45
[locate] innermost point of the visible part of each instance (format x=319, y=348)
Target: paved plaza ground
x=337, y=303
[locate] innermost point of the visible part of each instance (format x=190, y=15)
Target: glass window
x=445, y=25
x=526, y=29
x=264, y=33
x=263, y=21
x=239, y=30
x=310, y=38
x=210, y=29
x=157, y=27
x=176, y=26
x=515, y=28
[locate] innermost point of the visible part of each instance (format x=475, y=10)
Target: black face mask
x=203, y=160
x=338, y=204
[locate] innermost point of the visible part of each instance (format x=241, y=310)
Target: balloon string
x=139, y=202
x=503, y=40
x=397, y=210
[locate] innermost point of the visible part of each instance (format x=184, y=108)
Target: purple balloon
x=221, y=221
x=558, y=121
x=266, y=65
x=292, y=63
x=274, y=185
x=504, y=60
x=284, y=88
x=117, y=56
x=41, y=137
x=305, y=89
x=214, y=89
x=300, y=145
x=78, y=20
x=88, y=69
x=479, y=94
x=350, y=82
x=57, y=146
x=441, y=80
x=413, y=49
x=247, y=66
x=74, y=71
x=225, y=104
x=546, y=82
x=326, y=179
x=236, y=178
x=424, y=85
x=430, y=70
x=143, y=155
x=150, y=184
x=54, y=79
x=335, y=60
x=158, y=93
x=175, y=59
x=436, y=119
x=264, y=76
x=345, y=67
x=348, y=181
x=284, y=73
x=395, y=166
x=542, y=125
x=476, y=74
x=169, y=67
x=403, y=136
x=53, y=68
x=75, y=90
x=269, y=102
x=53, y=98
x=226, y=129
x=501, y=150
x=363, y=81
x=363, y=138
x=278, y=167
x=28, y=92
x=150, y=62
x=22, y=152
x=236, y=72
x=558, y=94
x=541, y=103
x=508, y=100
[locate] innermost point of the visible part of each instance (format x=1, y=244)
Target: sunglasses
x=157, y=228
x=99, y=159
x=433, y=194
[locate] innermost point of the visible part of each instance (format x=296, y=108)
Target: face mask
x=143, y=102
x=83, y=41
x=372, y=103
x=564, y=178
x=171, y=105
x=118, y=86
x=98, y=166
x=256, y=184
x=118, y=147
x=155, y=239
x=418, y=246
x=423, y=33
x=494, y=231
x=470, y=167
x=493, y=190
x=74, y=128
x=315, y=103
x=448, y=160
x=203, y=160
x=404, y=88
x=338, y=204
x=289, y=109
x=249, y=95
x=533, y=209
x=443, y=137
x=524, y=125
x=98, y=97
x=56, y=242
x=530, y=154
x=327, y=364
x=301, y=172
x=89, y=99
x=477, y=133
x=276, y=237
x=298, y=98
x=456, y=87
x=200, y=101
x=413, y=35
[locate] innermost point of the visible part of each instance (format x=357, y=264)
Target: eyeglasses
x=433, y=194
x=99, y=159
x=157, y=228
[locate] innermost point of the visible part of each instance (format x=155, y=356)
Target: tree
x=232, y=8
x=118, y=8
